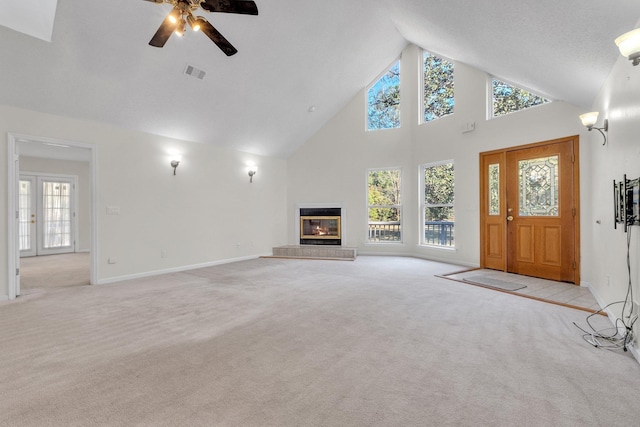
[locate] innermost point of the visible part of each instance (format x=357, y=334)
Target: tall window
x=438, y=100
x=438, y=204
x=509, y=99
x=384, y=188
x=383, y=101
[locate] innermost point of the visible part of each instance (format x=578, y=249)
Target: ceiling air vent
x=190, y=70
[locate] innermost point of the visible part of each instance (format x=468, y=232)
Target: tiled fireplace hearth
x=320, y=232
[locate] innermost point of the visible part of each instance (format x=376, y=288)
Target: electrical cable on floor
x=613, y=338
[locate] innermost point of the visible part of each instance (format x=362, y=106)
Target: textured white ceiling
x=294, y=54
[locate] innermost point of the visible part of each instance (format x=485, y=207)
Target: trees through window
x=438, y=204
x=438, y=99
x=384, y=188
x=509, y=99
x=383, y=100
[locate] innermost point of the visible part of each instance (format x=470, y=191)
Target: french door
x=46, y=209
x=530, y=210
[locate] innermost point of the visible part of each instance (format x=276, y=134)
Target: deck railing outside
x=439, y=233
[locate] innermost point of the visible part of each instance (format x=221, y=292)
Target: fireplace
x=320, y=226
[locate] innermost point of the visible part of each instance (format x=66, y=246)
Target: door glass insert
x=494, y=189
x=56, y=205
x=24, y=220
x=538, y=186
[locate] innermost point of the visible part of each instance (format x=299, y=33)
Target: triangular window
x=509, y=99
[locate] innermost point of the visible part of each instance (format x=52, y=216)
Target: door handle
x=509, y=218
x=33, y=221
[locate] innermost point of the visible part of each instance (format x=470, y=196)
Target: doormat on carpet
x=494, y=283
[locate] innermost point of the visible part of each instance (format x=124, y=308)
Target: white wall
x=331, y=166
x=619, y=101
x=208, y=212
x=75, y=168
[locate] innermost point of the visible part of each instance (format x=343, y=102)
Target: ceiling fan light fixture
x=193, y=23
x=175, y=15
x=181, y=28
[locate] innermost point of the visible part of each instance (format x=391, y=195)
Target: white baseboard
x=421, y=256
x=176, y=269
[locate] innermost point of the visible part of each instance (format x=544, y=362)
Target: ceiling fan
x=182, y=14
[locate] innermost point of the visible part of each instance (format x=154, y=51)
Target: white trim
x=178, y=269
x=12, y=204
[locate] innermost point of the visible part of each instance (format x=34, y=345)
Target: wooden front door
x=529, y=213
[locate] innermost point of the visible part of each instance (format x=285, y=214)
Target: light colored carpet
x=268, y=342
x=50, y=272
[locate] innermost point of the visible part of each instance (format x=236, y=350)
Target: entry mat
x=494, y=283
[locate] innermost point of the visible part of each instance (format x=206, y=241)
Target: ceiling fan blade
x=164, y=32
x=216, y=37
x=247, y=7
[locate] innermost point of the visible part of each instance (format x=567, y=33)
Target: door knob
x=33, y=221
x=509, y=218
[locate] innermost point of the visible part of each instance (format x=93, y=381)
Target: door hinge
x=17, y=271
x=574, y=266
x=17, y=214
x=573, y=212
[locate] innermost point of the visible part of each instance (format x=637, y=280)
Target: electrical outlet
x=111, y=260
x=113, y=210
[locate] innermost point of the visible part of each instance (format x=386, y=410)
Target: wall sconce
x=175, y=162
x=252, y=171
x=629, y=45
x=589, y=120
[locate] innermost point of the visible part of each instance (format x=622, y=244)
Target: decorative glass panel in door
x=56, y=207
x=538, y=186
x=494, y=189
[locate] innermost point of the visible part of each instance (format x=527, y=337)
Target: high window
x=509, y=99
x=438, y=99
x=384, y=188
x=383, y=100
x=437, y=204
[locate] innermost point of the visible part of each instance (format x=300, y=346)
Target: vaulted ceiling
x=295, y=54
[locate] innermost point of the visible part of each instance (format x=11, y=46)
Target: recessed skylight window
x=31, y=17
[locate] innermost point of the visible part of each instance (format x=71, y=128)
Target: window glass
x=384, y=206
x=508, y=98
x=383, y=101
x=438, y=99
x=438, y=204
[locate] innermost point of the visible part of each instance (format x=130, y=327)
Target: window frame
x=398, y=60
x=423, y=205
x=397, y=206
x=421, y=119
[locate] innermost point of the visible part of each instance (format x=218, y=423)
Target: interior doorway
x=529, y=213
x=64, y=216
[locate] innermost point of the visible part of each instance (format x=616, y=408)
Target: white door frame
x=13, y=168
